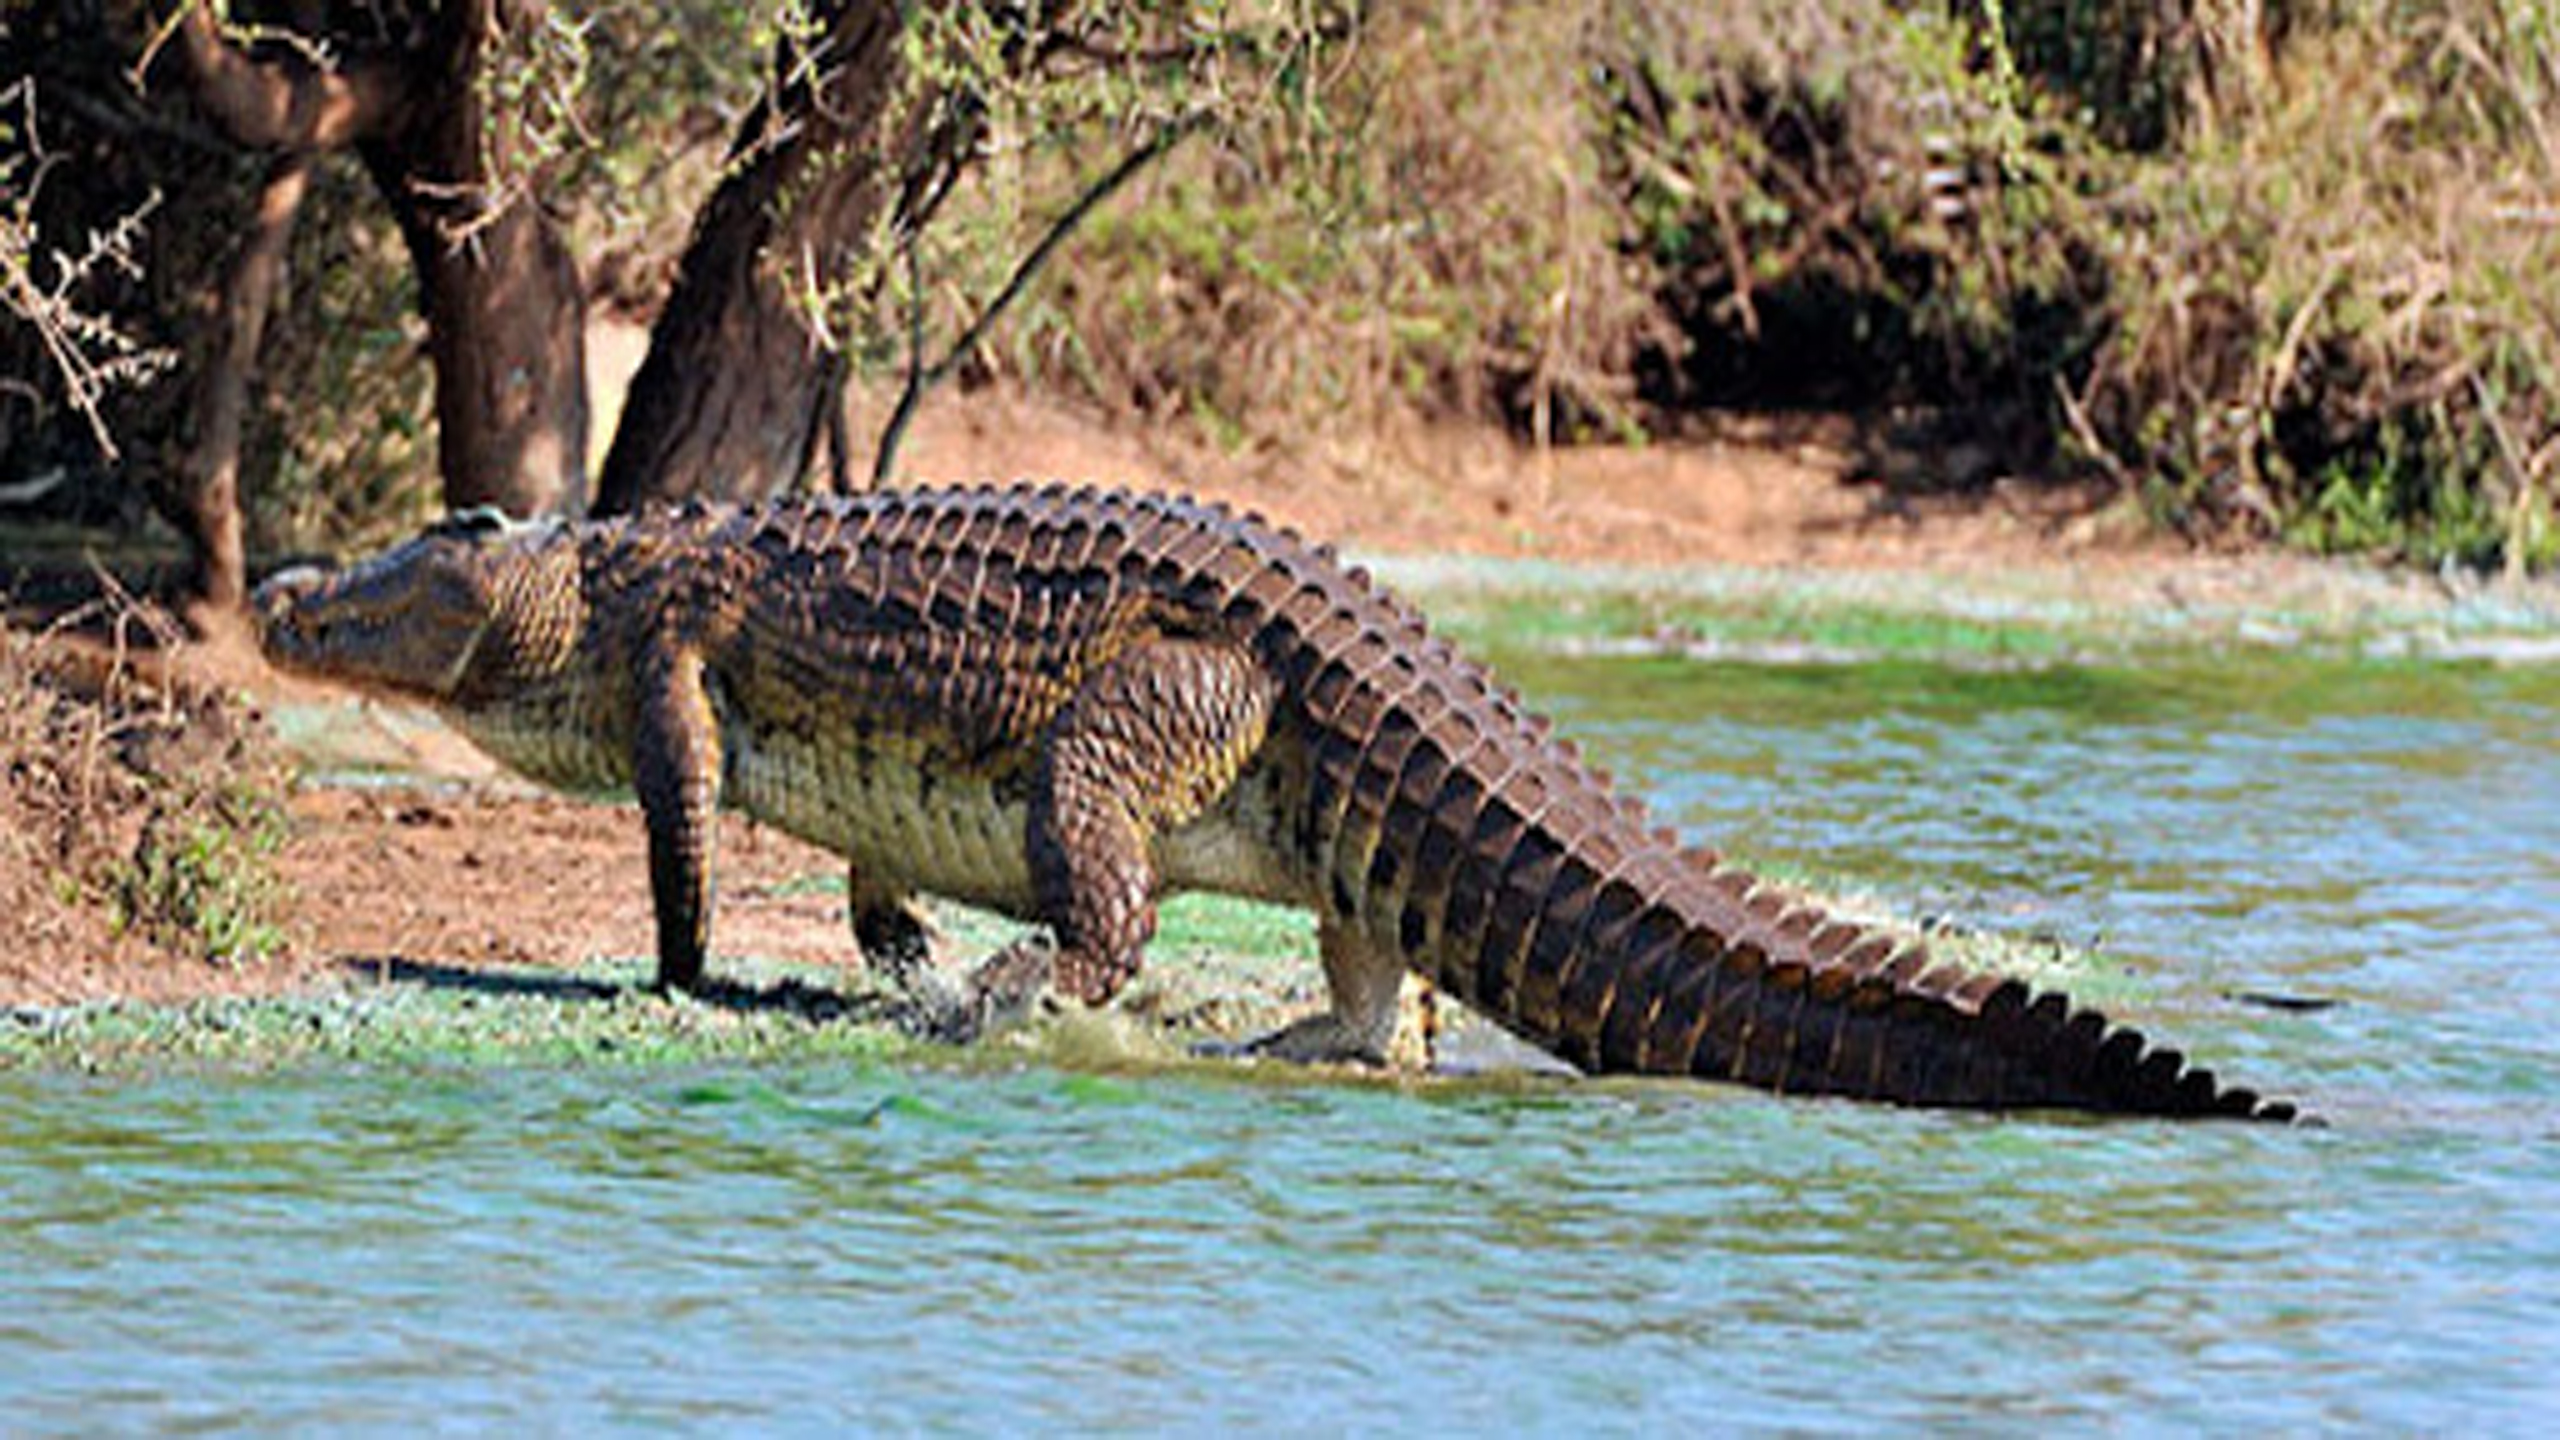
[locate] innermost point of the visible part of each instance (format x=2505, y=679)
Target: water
x=974, y=1249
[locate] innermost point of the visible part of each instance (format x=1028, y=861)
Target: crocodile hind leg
x=1365, y=982
x=1146, y=743
x=896, y=939
x=889, y=926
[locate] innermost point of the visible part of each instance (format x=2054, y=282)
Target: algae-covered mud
x=1228, y=970
x=535, y=1197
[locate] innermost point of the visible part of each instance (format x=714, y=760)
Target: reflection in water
x=989, y=1250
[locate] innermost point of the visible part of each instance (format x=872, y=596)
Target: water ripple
x=804, y=1248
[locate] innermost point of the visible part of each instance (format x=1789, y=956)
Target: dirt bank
x=1777, y=490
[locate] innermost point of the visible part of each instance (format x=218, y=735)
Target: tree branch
x=208, y=476
x=293, y=101
x=922, y=378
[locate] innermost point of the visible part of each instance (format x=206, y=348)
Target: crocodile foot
x=1005, y=990
x=896, y=938
x=1011, y=984
x=1316, y=1040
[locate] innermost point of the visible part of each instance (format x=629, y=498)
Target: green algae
x=1991, y=618
x=1221, y=970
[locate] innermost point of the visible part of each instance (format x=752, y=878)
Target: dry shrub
x=1432, y=231
x=1843, y=204
x=2280, y=270
x=2298, y=282
x=137, y=819
x=2143, y=75
x=1585, y=220
x=2338, y=322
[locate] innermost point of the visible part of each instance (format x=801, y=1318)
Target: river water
x=974, y=1247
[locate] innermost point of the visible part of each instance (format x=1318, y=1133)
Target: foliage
x=154, y=210
x=1058, y=114
x=2336, y=322
x=2289, y=282
x=1845, y=206
x=661, y=92
x=2279, y=270
x=2282, y=271
x=1429, y=229
x=343, y=440
x=202, y=876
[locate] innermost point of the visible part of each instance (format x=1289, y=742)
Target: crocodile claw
x=1009, y=985
x=1005, y=990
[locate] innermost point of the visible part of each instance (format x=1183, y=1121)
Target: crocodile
x=1062, y=703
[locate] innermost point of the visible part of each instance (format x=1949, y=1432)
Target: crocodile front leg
x=1149, y=741
x=675, y=766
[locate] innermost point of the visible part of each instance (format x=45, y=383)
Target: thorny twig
x=90, y=353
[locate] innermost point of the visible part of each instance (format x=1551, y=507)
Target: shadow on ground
x=787, y=996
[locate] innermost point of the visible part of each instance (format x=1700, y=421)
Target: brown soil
x=475, y=871
x=1797, y=489
x=493, y=875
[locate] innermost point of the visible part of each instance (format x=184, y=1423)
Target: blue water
x=796, y=1247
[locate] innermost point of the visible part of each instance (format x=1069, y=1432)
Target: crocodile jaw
x=408, y=623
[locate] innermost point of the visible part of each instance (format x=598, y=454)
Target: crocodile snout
x=276, y=604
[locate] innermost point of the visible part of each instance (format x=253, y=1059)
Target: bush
x=2334, y=323
x=1429, y=228
x=2279, y=271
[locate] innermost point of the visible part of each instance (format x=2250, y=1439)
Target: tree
x=812, y=253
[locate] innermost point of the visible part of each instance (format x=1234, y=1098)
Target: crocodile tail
x=1624, y=956
x=1447, y=822
x=1734, y=980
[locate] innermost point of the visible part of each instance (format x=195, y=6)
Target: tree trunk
x=506, y=332
x=506, y=321
x=504, y=309
x=736, y=384
x=505, y=313
x=207, y=505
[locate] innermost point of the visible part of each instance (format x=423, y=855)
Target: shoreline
x=409, y=849
x=416, y=865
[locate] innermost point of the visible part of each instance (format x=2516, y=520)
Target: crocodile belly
x=944, y=831
x=1233, y=849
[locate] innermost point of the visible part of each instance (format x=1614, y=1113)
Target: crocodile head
x=472, y=603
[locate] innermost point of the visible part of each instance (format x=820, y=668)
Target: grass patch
x=601, y=1015
x=1220, y=970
